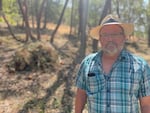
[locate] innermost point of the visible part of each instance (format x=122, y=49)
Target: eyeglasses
x=113, y=35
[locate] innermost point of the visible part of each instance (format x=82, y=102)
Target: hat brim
x=128, y=29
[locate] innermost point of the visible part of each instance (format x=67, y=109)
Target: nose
x=109, y=38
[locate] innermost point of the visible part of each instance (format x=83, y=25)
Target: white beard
x=111, y=48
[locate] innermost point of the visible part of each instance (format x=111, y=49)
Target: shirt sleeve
x=81, y=79
x=145, y=82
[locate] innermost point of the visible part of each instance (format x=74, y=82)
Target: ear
x=126, y=38
x=100, y=40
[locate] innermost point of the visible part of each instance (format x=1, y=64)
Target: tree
x=39, y=15
x=0, y=5
x=6, y=21
x=75, y=16
x=46, y=13
x=83, y=15
x=117, y=8
x=24, y=11
x=9, y=27
x=72, y=15
x=149, y=35
x=59, y=22
x=148, y=18
x=106, y=10
x=130, y=11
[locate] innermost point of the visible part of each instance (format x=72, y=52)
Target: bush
x=34, y=56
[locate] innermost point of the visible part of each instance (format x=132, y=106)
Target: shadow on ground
x=66, y=77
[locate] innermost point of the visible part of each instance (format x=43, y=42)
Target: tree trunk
x=118, y=13
x=83, y=12
x=9, y=28
x=39, y=15
x=1, y=5
x=106, y=10
x=149, y=35
x=46, y=12
x=72, y=16
x=59, y=22
x=24, y=12
x=6, y=21
x=45, y=16
x=148, y=18
x=33, y=20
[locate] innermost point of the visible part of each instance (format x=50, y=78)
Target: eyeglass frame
x=113, y=35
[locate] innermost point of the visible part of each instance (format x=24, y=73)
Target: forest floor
x=41, y=92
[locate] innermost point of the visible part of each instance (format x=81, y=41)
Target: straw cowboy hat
x=111, y=20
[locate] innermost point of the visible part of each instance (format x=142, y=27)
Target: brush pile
x=34, y=56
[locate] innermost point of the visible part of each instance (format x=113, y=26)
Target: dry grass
x=63, y=29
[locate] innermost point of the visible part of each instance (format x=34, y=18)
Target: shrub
x=34, y=56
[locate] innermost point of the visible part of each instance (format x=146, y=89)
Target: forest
x=42, y=43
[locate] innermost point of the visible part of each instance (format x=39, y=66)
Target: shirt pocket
x=121, y=86
x=127, y=83
x=95, y=83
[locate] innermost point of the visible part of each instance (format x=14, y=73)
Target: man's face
x=112, y=39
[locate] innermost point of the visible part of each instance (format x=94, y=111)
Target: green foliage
x=56, y=103
x=67, y=16
x=132, y=11
x=1, y=20
x=95, y=10
x=53, y=11
x=12, y=11
x=137, y=12
x=10, y=8
x=75, y=18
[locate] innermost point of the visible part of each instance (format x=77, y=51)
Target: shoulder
x=136, y=60
x=89, y=58
x=86, y=62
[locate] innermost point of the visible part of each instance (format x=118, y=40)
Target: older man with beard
x=113, y=80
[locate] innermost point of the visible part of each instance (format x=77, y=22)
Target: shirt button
x=108, y=90
x=108, y=78
x=108, y=105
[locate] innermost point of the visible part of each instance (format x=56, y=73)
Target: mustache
x=111, y=43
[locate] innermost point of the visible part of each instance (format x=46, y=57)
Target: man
x=113, y=80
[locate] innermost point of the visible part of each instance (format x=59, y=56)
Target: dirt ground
x=39, y=92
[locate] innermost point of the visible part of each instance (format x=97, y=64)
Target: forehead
x=111, y=28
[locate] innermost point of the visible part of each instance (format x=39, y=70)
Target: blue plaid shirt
x=120, y=90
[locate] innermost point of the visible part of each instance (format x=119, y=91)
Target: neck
x=110, y=57
x=108, y=61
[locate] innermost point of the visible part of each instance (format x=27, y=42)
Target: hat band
x=109, y=21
